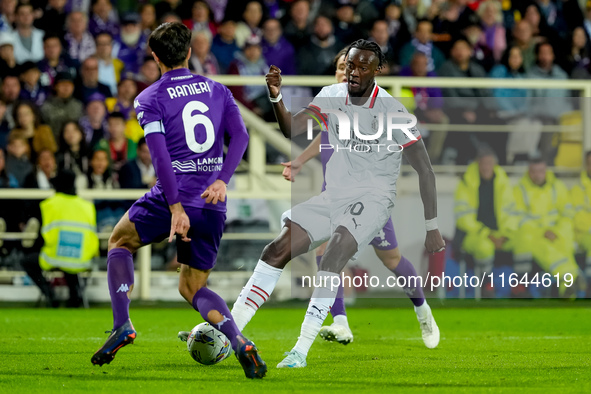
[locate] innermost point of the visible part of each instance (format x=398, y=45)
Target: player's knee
x=187, y=290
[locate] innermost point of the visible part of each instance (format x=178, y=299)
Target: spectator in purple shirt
x=276, y=49
x=130, y=46
x=79, y=42
x=31, y=88
x=55, y=60
x=103, y=19
x=94, y=123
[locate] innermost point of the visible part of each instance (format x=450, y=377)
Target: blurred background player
x=385, y=244
x=196, y=108
x=326, y=216
x=546, y=232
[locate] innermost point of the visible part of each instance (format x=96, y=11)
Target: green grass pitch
x=485, y=347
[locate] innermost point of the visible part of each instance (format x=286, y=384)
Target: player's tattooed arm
x=289, y=125
x=417, y=156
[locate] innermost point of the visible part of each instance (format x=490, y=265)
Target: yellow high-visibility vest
x=69, y=232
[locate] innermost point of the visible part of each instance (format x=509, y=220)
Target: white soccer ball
x=207, y=345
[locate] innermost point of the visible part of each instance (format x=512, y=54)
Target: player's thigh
x=312, y=216
x=125, y=235
x=363, y=217
x=207, y=228
x=150, y=216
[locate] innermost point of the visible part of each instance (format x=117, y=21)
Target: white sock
x=423, y=311
x=341, y=320
x=320, y=304
x=257, y=290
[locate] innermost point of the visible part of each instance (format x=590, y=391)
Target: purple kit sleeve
x=163, y=166
x=234, y=126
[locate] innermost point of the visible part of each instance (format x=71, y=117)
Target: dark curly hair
x=365, y=45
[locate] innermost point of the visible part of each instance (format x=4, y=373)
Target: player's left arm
x=150, y=118
x=417, y=156
x=234, y=126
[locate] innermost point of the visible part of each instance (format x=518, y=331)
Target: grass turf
x=508, y=349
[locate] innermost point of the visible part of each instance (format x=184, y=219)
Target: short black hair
x=171, y=43
x=22, y=4
x=539, y=46
x=117, y=115
x=141, y=142
x=536, y=159
x=50, y=35
x=365, y=45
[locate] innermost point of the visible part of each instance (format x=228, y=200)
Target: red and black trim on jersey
x=409, y=143
x=318, y=112
x=372, y=97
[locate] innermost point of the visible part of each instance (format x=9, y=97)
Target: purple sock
x=338, y=308
x=120, y=278
x=205, y=301
x=407, y=270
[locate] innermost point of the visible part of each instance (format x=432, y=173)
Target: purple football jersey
x=194, y=113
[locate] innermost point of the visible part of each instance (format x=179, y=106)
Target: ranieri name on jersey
x=187, y=89
x=368, y=137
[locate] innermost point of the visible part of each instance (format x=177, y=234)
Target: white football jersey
x=368, y=159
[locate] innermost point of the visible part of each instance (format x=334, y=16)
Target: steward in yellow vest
x=69, y=235
x=485, y=210
x=546, y=231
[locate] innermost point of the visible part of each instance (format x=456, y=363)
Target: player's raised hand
x=292, y=168
x=179, y=223
x=434, y=241
x=273, y=79
x=215, y=192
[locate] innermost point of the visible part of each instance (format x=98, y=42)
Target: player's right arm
x=292, y=168
x=289, y=125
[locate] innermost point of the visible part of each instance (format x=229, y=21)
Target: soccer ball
x=207, y=345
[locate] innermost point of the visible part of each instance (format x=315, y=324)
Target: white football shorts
x=364, y=216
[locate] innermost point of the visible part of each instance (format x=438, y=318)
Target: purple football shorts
x=151, y=216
